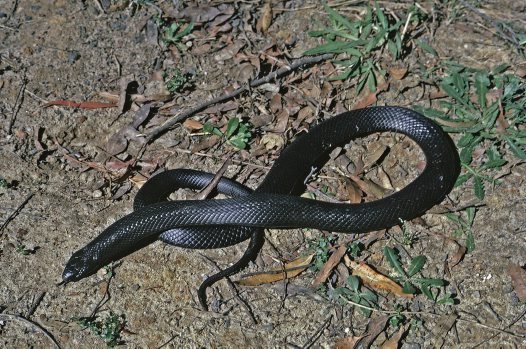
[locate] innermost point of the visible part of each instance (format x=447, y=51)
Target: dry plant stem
x=205, y=192
x=16, y=107
x=510, y=38
x=255, y=83
x=35, y=305
x=15, y=212
x=234, y=291
x=239, y=162
x=496, y=334
x=318, y=333
x=433, y=314
x=34, y=325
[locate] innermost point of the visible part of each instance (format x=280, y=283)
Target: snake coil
x=275, y=203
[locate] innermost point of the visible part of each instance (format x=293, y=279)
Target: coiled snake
x=202, y=224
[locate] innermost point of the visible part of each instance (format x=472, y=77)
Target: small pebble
x=97, y=194
x=73, y=56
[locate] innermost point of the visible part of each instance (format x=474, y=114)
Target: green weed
x=361, y=40
x=109, y=329
x=175, y=80
x=354, y=292
x=172, y=33
x=237, y=133
x=412, y=284
x=464, y=224
x=488, y=109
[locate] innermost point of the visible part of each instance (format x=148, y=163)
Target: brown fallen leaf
x=394, y=341
x=374, y=328
x=289, y=270
x=332, y=262
x=441, y=329
x=80, y=105
x=138, y=180
x=375, y=151
x=518, y=280
x=456, y=257
x=370, y=98
x=192, y=124
x=384, y=178
x=266, y=18
x=398, y=73
x=347, y=342
x=374, y=279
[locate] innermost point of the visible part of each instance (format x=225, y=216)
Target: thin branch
x=255, y=83
x=17, y=106
x=34, y=325
x=15, y=212
x=432, y=314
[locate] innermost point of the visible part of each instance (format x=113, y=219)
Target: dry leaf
x=206, y=143
x=370, y=99
x=347, y=342
x=456, y=257
x=289, y=270
x=272, y=141
x=374, y=279
x=518, y=280
x=333, y=261
x=374, y=328
x=282, y=121
x=374, y=153
x=384, y=179
x=192, y=124
x=394, y=342
x=266, y=18
x=441, y=329
x=398, y=73
x=349, y=191
x=138, y=180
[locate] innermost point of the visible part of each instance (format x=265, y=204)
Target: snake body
x=275, y=203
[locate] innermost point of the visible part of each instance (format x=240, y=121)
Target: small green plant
x=408, y=278
x=175, y=80
x=3, y=183
x=109, y=329
x=409, y=237
x=488, y=109
x=464, y=224
x=237, y=133
x=360, y=40
x=173, y=33
x=398, y=319
x=321, y=249
x=23, y=250
x=355, y=292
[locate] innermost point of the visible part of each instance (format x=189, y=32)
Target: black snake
x=275, y=203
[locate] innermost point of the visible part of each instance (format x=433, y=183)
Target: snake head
x=77, y=268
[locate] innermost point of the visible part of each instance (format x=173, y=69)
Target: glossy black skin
x=275, y=203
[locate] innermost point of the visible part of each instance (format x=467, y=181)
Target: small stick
x=205, y=192
x=255, y=83
x=34, y=325
x=317, y=334
x=15, y=212
x=17, y=106
x=35, y=305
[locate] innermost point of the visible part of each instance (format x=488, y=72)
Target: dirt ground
x=56, y=158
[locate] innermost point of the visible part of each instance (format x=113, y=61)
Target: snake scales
x=275, y=203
